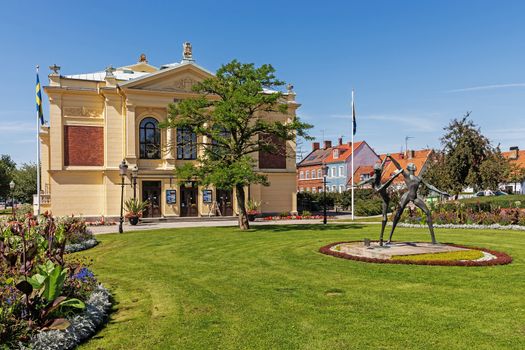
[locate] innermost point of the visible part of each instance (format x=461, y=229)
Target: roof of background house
x=361, y=170
x=315, y=157
x=419, y=158
x=520, y=161
x=345, y=150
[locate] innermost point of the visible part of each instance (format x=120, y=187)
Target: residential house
x=516, y=158
x=309, y=170
x=339, y=163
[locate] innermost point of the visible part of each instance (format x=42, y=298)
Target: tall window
x=301, y=175
x=186, y=144
x=319, y=173
x=149, y=138
x=341, y=171
x=313, y=174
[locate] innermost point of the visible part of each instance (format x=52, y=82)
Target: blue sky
x=413, y=64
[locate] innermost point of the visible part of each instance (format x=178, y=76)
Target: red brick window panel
x=83, y=145
x=273, y=160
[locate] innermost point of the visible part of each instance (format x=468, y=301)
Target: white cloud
x=420, y=123
x=18, y=127
x=487, y=87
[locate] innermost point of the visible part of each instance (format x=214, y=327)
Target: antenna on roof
x=406, y=144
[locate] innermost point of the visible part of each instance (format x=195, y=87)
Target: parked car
x=490, y=193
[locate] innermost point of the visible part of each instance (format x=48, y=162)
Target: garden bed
x=427, y=254
x=83, y=326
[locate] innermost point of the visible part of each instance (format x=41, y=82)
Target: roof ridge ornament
x=187, y=54
x=109, y=71
x=55, y=69
x=142, y=58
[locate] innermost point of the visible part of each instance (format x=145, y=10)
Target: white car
x=490, y=193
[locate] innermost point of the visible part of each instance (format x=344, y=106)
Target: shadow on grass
x=310, y=227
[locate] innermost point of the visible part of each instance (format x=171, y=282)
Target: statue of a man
x=412, y=182
x=382, y=189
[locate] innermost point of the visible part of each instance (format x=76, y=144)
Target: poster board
x=171, y=196
x=207, y=196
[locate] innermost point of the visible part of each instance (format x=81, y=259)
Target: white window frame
x=341, y=188
x=301, y=175
x=306, y=175
x=319, y=173
x=333, y=172
x=301, y=189
x=341, y=171
x=334, y=188
x=313, y=173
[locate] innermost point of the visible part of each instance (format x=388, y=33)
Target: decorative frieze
x=82, y=112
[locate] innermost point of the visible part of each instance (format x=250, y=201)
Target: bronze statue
x=413, y=182
x=382, y=189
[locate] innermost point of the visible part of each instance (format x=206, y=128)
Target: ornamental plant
x=135, y=208
x=39, y=289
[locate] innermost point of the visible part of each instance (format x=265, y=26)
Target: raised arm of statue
x=389, y=181
x=433, y=188
x=396, y=163
x=384, y=160
x=364, y=182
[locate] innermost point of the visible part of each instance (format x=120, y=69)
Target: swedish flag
x=39, y=101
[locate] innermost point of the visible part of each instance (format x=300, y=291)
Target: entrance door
x=151, y=192
x=188, y=201
x=225, y=203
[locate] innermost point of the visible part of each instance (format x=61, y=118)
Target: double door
x=151, y=192
x=188, y=201
x=225, y=202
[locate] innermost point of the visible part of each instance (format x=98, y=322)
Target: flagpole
x=352, y=154
x=37, y=156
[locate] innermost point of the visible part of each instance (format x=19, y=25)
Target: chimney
x=515, y=152
x=327, y=144
x=340, y=141
x=411, y=154
x=315, y=146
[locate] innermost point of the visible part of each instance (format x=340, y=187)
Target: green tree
x=25, y=178
x=229, y=113
x=494, y=170
x=464, y=150
x=7, y=167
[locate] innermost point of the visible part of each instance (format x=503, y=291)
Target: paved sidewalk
x=181, y=224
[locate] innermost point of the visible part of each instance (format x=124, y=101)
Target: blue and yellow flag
x=39, y=101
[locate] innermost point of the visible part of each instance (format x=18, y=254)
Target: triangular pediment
x=180, y=77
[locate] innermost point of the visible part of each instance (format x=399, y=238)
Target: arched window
x=149, y=138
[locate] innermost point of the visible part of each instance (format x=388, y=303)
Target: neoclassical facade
x=98, y=119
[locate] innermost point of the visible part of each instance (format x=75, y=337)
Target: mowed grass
x=270, y=288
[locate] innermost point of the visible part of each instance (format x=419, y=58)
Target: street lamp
x=325, y=173
x=134, y=175
x=123, y=169
x=12, y=187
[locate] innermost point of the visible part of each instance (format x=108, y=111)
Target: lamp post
x=12, y=187
x=325, y=173
x=134, y=175
x=123, y=169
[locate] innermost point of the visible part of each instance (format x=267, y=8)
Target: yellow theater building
x=96, y=120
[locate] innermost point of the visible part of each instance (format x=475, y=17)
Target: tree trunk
x=241, y=203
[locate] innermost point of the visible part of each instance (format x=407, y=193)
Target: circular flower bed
x=464, y=256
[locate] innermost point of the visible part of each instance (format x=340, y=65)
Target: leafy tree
x=494, y=170
x=464, y=150
x=7, y=167
x=228, y=118
x=25, y=178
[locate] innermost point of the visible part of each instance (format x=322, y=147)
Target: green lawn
x=219, y=288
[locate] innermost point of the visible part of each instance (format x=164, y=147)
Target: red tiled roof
x=520, y=161
x=419, y=158
x=361, y=170
x=345, y=150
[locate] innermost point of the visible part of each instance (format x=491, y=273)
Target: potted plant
x=252, y=209
x=134, y=209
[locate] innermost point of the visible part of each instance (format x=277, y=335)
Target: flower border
x=501, y=258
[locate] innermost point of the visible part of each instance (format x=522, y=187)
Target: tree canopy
x=230, y=116
x=466, y=159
